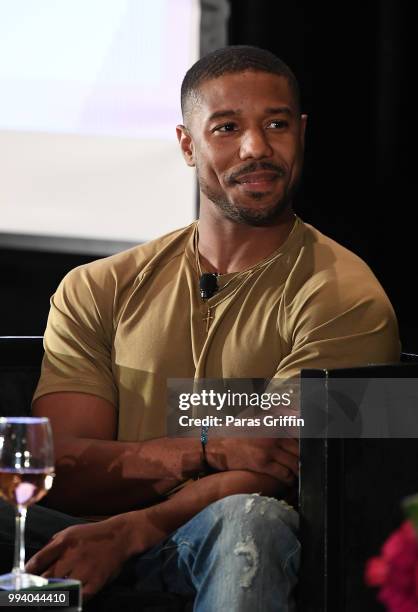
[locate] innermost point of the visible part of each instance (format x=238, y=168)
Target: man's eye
x=278, y=124
x=227, y=127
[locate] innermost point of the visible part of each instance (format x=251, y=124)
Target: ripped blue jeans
x=240, y=554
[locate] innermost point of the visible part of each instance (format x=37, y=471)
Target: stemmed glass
x=26, y=475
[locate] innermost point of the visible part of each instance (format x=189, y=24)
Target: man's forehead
x=232, y=90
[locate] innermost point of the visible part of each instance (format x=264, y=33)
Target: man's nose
x=255, y=144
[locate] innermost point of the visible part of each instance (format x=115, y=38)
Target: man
x=287, y=298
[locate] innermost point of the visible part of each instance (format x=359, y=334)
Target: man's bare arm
x=96, y=474
x=95, y=553
x=162, y=519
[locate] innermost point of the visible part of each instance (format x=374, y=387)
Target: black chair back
x=20, y=365
x=350, y=494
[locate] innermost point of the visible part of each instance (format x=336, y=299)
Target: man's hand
x=93, y=553
x=278, y=457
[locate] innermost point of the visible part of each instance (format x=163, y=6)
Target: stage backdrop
x=88, y=107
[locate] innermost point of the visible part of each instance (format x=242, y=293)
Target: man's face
x=245, y=137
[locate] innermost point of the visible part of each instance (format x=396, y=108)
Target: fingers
x=281, y=473
x=58, y=570
x=288, y=460
x=290, y=445
x=283, y=461
x=88, y=588
x=69, y=555
x=42, y=560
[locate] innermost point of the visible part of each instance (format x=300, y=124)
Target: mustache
x=255, y=167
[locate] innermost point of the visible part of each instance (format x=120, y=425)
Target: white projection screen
x=89, y=101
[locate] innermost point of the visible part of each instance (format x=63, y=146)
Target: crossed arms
x=111, y=477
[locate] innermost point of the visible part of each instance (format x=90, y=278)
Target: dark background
x=354, y=63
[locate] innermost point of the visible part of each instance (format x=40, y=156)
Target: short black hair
x=234, y=59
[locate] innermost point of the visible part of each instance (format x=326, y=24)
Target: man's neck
x=226, y=246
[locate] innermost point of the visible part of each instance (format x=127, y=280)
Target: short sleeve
x=340, y=323
x=78, y=337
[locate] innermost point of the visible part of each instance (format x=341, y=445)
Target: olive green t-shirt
x=120, y=327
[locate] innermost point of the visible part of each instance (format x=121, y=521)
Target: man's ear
x=303, y=122
x=186, y=144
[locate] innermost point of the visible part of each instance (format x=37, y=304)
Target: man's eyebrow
x=276, y=110
x=279, y=110
x=223, y=113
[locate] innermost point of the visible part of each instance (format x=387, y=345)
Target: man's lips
x=256, y=178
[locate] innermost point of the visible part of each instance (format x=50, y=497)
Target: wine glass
x=26, y=475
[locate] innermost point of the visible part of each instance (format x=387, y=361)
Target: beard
x=267, y=216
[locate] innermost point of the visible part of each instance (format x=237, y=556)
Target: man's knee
x=253, y=532
x=267, y=521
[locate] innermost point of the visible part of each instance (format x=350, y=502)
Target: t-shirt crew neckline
x=225, y=278
x=230, y=283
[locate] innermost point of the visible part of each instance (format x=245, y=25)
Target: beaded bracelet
x=206, y=467
x=204, y=440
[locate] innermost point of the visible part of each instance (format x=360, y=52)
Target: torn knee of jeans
x=248, y=549
x=249, y=504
